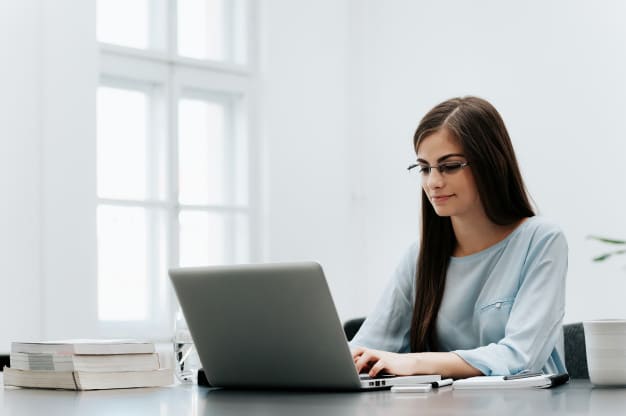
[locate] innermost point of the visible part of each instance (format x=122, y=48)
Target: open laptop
x=270, y=326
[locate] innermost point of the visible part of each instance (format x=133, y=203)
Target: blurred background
x=137, y=135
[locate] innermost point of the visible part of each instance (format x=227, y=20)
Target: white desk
x=577, y=398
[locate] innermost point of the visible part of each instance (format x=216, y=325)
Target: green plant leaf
x=602, y=257
x=605, y=256
x=606, y=240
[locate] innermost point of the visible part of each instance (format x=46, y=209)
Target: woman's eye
x=424, y=170
x=451, y=167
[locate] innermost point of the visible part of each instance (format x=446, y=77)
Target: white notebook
x=498, y=382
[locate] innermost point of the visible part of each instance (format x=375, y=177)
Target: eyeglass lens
x=446, y=168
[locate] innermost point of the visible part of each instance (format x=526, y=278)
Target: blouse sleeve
x=388, y=326
x=534, y=325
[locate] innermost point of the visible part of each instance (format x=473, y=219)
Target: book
x=72, y=362
x=85, y=380
x=501, y=382
x=85, y=346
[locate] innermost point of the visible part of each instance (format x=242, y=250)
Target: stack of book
x=85, y=365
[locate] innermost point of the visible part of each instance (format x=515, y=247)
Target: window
x=172, y=152
x=211, y=29
x=212, y=184
x=123, y=22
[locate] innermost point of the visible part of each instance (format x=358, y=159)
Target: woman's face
x=452, y=193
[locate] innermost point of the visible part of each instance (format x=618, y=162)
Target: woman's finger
x=360, y=362
x=358, y=351
x=364, y=361
x=377, y=368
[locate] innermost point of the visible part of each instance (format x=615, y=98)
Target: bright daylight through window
x=172, y=150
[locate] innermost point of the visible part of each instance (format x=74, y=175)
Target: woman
x=483, y=293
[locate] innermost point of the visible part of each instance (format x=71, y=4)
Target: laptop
x=271, y=326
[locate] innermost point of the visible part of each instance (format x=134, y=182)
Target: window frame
x=175, y=76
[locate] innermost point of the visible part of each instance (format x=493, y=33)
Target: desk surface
x=578, y=397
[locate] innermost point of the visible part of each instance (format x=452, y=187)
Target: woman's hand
x=374, y=361
x=447, y=364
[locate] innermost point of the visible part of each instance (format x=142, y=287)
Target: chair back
x=352, y=326
x=575, y=351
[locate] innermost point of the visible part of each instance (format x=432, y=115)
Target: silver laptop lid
x=266, y=326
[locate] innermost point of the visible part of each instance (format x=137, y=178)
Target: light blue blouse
x=502, y=308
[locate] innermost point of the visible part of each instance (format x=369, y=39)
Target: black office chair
x=575, y=352
x=573, y=334
x=352, y=326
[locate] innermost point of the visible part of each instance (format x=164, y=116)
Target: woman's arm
x=387, y=325
x=447, y=364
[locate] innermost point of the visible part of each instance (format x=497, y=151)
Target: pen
x=523, y=374
x=441, y=383
x=558, y=379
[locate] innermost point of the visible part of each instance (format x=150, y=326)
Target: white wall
x=47, y=174
x=68, y=98
x=20, y=128
x=303, y=117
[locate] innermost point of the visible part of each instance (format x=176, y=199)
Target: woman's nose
x=434, y=179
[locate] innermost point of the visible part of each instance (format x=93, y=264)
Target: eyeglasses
x=447, y=168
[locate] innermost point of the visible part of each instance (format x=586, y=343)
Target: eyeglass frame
x=440, y=167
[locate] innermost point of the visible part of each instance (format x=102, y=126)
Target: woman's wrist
x=424, y=363
x=446, y=364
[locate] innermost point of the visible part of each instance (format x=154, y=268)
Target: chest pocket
x=493, y=317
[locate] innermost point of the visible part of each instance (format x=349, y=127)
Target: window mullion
x=229, y=178
x=232, y=24
x=173, y=93
x=146, y=203
x=172, y=30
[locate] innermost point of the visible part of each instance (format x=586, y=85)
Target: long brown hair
x=478, y=127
